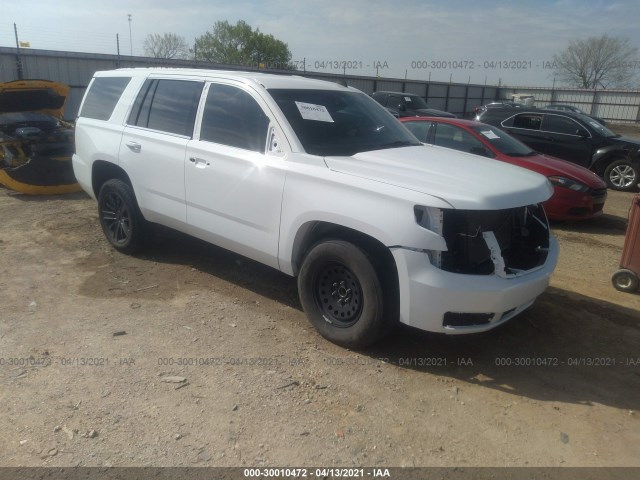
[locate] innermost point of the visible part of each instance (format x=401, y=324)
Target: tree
x=597, y=62
x=167, y=45
x=240, y=44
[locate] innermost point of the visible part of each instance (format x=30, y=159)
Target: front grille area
x=455, y=319
x=522, y=235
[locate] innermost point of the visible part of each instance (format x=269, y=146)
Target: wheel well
x=103, y=171
x=602, y=163
x=377, y=252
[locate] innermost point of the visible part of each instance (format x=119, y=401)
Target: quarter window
x=167, y=106
x=103, y=96
x=232, y=117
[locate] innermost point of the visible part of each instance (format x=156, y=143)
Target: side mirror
x=273, y=144
x=402, y=108
x=581, y=132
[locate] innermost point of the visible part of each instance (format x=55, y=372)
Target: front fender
x=604, y=156
x=389, y=219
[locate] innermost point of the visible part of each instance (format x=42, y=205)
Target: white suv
x=319, y=181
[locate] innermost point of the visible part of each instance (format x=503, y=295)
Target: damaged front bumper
x=495, y=266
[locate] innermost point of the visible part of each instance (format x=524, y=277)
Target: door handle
x=199, y=161
x=134, y=146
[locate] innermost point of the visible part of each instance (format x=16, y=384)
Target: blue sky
x=442, y=39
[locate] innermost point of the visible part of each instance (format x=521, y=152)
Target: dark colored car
x=506, y=105
x=576, y=138
x=407, y=105
x=578, y=192
x=571, y=108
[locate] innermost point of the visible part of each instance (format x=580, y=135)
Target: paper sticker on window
x=309, y=111
x=489, y=134
x=407, y=99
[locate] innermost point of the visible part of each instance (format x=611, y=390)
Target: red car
x=578, y=192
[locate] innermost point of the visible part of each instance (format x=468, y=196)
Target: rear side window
x=167, y=106
x=232, y=117
x=530, y=122
x=102, y=97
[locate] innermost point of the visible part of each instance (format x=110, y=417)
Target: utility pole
x=130, y=41
x=118, y=47
x=18, y=57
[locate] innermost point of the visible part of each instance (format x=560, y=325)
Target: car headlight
x=568, y=183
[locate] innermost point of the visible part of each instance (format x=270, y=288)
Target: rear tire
x=120, y=218
x=622, y=175
x=342, y=295
x=625, y=280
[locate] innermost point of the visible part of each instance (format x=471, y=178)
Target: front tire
x=120, y=218
x=622, y=175
x=342, y=295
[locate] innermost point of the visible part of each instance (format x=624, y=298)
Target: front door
x=233, y=185
x=567, y=142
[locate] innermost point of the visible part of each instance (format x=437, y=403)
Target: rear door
x=154, y=143
x=527, y=127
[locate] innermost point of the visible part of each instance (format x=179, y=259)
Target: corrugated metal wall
x=616, y=105
x=76, y=69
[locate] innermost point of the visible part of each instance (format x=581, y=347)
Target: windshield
x=503, y=142
x=413, y=102
x=333, y=122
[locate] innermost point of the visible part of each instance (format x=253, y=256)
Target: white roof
x=267, y=80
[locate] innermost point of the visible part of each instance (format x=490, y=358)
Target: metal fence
x=76, y=70
x=612, y=105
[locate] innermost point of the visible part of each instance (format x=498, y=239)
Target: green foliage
x=597, y=62
x=239, y=44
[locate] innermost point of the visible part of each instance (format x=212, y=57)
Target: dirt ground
x=88, y=338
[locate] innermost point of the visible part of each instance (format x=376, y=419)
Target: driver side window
x=232, y=117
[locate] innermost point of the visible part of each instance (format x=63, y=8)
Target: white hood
x=463, y=180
